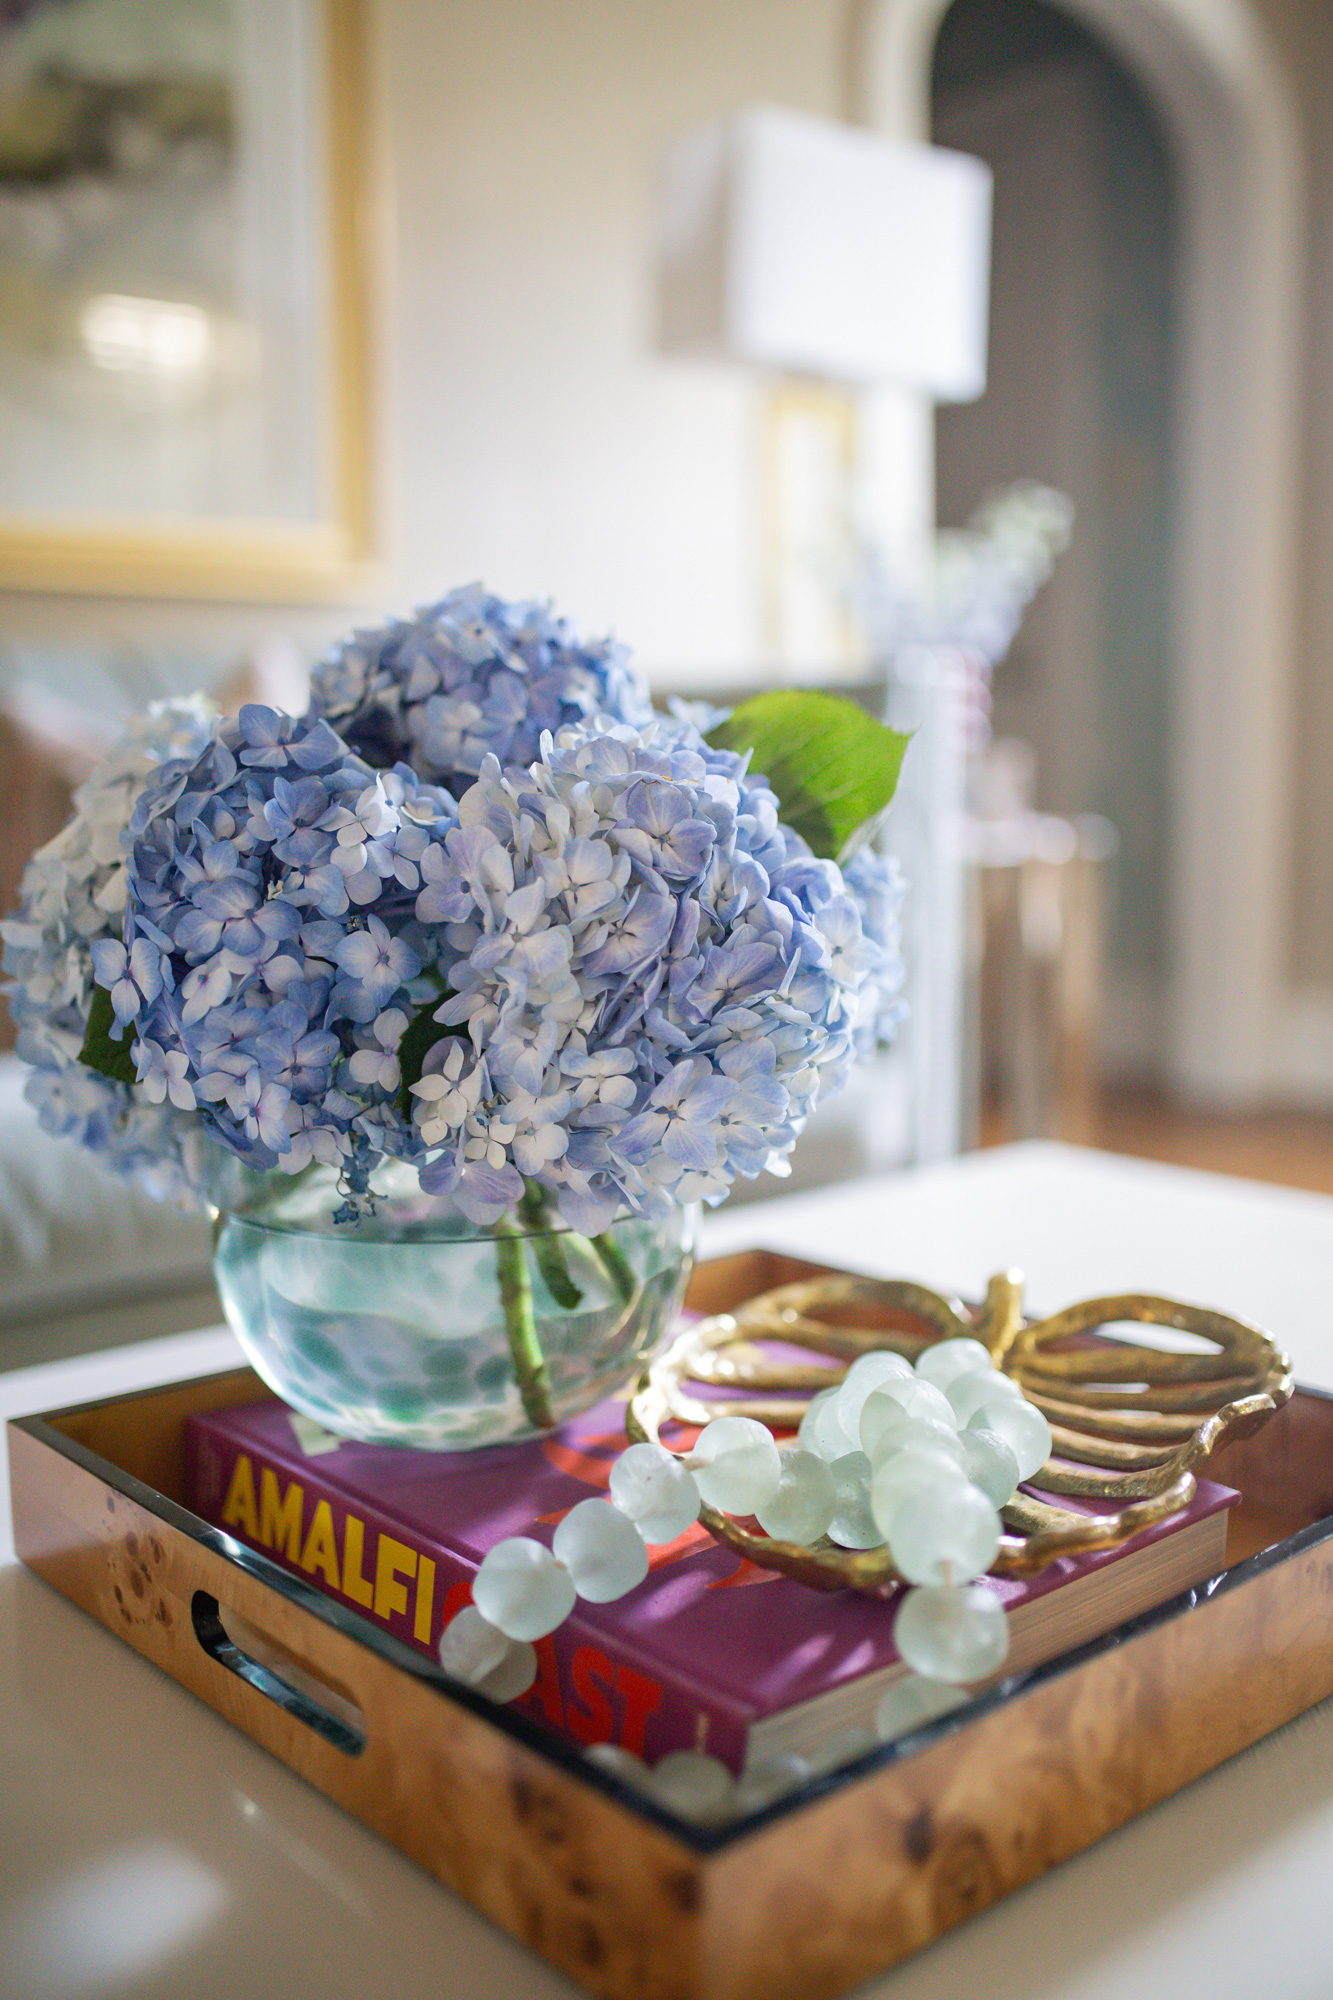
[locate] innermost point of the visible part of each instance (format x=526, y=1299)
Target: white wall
x=539, y=440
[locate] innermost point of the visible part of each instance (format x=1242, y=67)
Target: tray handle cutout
x=236, y=1645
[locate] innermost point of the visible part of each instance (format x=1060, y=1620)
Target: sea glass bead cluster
x=920, y=1461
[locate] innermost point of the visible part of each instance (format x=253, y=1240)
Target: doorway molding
x=1232, y=123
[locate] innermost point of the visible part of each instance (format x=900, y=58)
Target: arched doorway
x=1225, y=107
x=1083, y=280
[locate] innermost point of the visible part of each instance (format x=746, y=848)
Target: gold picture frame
x=331, y=557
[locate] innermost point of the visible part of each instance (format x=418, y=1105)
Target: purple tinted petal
x=707, y=1100
x=691, y=1146
x=234, y=897
x=486, y=1193
x=261, y=727
x=109, y=960
x=638, y=1137
x=589, y=1211
x=125, y=1001
x=319, y=748
x=357, y=954
x=440, y=1176
x=278, y=919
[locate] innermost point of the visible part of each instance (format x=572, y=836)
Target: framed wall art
x=184, y=298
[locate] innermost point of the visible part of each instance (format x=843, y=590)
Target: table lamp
x=799, y=244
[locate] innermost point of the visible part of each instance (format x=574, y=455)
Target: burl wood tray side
x=567, y=1869
x=806, y=1900
x=893, y=1860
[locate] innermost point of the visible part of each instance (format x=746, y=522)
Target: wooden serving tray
x=807, y=1898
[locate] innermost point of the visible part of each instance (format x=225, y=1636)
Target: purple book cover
x=687, y=1660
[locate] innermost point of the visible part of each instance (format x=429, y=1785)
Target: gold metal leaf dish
x=1129, y=1421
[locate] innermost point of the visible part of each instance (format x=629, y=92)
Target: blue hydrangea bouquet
x=480, y=915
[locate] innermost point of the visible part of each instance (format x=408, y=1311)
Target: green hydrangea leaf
x=834, y=768
x=101, y=1051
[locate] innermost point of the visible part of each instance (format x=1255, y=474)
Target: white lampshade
x=801, y=244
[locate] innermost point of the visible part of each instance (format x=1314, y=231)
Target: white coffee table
x=150, y=1852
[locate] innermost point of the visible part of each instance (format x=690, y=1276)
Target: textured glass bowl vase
x=417, y=1327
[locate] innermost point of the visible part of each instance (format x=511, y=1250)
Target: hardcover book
x=709, y=1652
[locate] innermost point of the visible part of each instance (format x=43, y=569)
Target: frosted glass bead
x=602, y=1550
x=735, y=1464
x=968, y=1392
x=521, y=1588
x=872, y=1369
x=653, y=1488
x=513, y=1676
x=990, y=1464
x=853, y=1525
x=1023, y=1428
x=839, y=1749
x=952, y=1635
x=948, y=1359
x=478, y=1653
x=913, y=1398
x=802, y=1507
x=943, y=1534
x=828, y=1433
x=470, y=1646
x=911, y=1703
x=695, y=1785
x=805, y=1436
x=918, y=1471
x=890, y=1433
x=620, y=1763
x=769, y=1778
x=868, y=1373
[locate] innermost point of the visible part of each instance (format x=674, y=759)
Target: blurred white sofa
x=86, y=1260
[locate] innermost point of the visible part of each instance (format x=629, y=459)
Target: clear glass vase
x=417, y=1327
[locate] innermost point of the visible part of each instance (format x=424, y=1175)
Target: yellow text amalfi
x=277, y=1520
x=238, y=1509
x=392, y=1561
x=321, y=1551
x=354, y=1582
x=280, y=1519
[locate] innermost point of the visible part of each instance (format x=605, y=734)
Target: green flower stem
x=534, y=1206
x=555, y=1270
x=602, y=1252
x=581, y=1260
x=616, y=1265
x=548, y=1247
x=530, y=1371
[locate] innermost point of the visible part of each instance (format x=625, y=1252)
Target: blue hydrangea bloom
x=470, y=677
x=268, y=961
x=631, y=980
x=875, y=883
x=70, y=920
x=648, y=978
